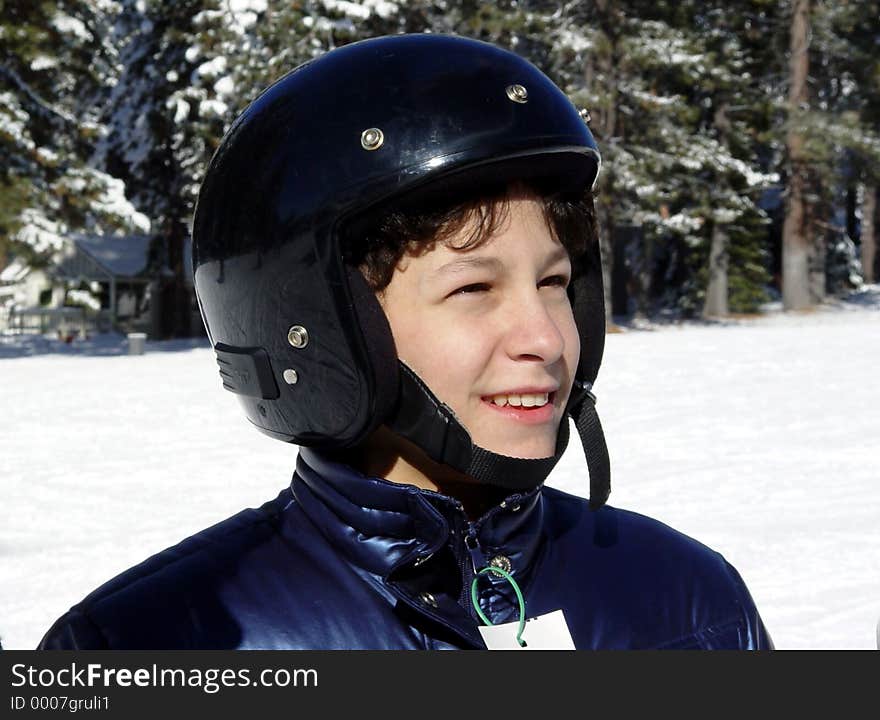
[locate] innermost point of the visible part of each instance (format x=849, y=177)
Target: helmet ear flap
x=380, y=349
x=587, y=298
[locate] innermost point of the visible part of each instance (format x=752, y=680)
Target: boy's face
x=491, y=331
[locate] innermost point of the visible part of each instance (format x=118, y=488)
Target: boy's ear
x=381, y=351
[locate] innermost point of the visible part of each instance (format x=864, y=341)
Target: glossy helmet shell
x=298, y=166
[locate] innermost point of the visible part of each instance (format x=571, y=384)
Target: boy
x=396, y=261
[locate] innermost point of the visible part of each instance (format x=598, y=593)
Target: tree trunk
x=817, y=242
x=606, y=251
x=716, y=292
x=797, y=250
x=605, y=120
x=852, y=202
x=175, y=297
x=869, y=233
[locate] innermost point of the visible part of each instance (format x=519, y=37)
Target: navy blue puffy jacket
x=342, y=561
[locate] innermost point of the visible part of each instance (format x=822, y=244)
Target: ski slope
x=758, y=437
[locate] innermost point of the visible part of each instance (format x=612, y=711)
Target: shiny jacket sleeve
x=74, y=631
x=741, y=630
x=750, y=634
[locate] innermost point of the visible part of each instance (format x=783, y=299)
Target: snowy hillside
x=757, y=437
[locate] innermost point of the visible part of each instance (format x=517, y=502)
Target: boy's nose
x=534, y=334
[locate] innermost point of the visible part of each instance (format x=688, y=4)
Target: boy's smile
x=491, y=330
x=525, y=406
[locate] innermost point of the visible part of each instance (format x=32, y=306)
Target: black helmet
x=298, y=334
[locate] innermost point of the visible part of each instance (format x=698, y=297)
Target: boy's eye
x=472, y=288
x=554, y=281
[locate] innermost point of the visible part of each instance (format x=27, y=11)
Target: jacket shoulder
x=172, y=585
x=620, y=534
x=656, y=586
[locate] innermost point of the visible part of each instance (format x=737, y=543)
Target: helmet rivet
x=372, y=139
x=298, y=336
x=290, y=376
x=585, y=115
x=517, y=93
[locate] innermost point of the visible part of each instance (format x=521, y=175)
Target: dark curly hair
x=376, y=242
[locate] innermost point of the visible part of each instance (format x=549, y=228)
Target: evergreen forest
x=740, y=139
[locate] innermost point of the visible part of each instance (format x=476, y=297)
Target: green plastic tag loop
x=519, y=596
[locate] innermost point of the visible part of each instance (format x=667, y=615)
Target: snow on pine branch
x=14, y=121
x=67, y=25
x=39, y=232
x=111, y=201
x=363, y=9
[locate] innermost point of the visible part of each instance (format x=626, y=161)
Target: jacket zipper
x=469, y=570
x=470, y=562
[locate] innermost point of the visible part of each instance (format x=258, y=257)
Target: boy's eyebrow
x=491, y=262
x=559, y=253
x=480, y=261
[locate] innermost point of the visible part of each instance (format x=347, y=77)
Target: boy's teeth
x=521, y=400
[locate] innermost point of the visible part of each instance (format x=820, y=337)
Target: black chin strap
x=586, y=419
x=421, y=418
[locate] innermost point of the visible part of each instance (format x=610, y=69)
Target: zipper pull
x=478, y=560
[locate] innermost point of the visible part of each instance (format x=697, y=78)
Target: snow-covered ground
x=759, y=437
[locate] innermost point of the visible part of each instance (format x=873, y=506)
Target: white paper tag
x=545, y=632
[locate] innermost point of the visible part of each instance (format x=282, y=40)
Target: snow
x=43, y=62
x=181, y=109
x=352, y=9
x=113, y=200
x=246, y=12
x=724, y=216
x=38, y=231
x=668, y=47
x=363, y=9
x=756, y=436
x=382, y=8
x=574, y=39
x=225, y=86
x=83, y=298
x=256, y=6
x=67, y=24
x=658, y=100
x=682, y=222
x=211, y=108
x=212, y=68
x=15, y=272
x=13, y=121
x=47, y=156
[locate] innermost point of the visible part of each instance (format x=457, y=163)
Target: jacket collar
x=384, y=526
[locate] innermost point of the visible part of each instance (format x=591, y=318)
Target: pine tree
x=687, y=102
x=663, y=82
x=55, y=60
x=161, y=130
x=849, y=87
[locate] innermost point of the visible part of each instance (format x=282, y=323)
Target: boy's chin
x=526, y=450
